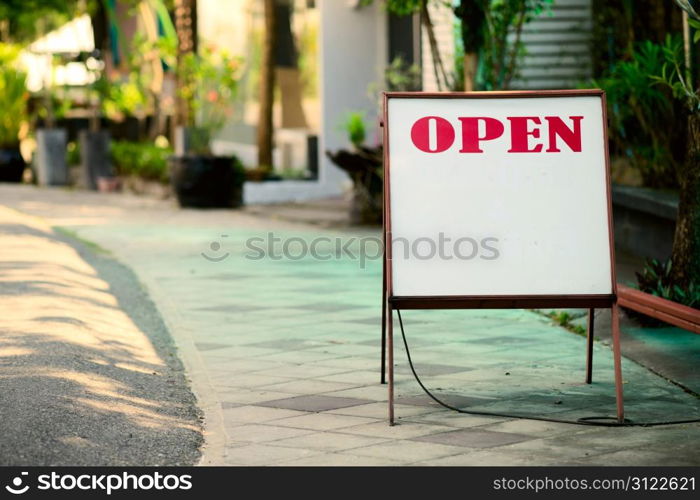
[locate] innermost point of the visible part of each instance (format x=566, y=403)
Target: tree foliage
x=25, y=20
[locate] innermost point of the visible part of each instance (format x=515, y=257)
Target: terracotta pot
x=108, y=184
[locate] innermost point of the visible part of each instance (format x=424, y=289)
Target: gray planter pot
x=50, y=157
x=94, y=157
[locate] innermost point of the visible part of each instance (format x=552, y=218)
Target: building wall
x=353, y=51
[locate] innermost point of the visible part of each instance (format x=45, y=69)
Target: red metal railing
x=661, y=309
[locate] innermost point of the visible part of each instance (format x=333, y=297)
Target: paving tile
x=380, y=410
x=286, y=344
x=210, y=346
x=451, y=399
x=558, y=449
x=508, y=340
x=374, y=392
x=338, y=460
x=305, y=371
x=329, y=306
x=351, y=363
x=314, y=403
x=255, y=433
x=228, y=404
x=256, y=414
x=407, y=451
x=430, y=369
x=217, y=364
x=639, y=457
x=452, y=419
x=415, y=342
x=536, y=428
x=474, y=438
x=263, y=454
x=357, y=377
x=481, y=459
x=245, y=380
x=231, y=308
x=303, y=357
x=239, y=351
x=227, y=276
x=375, y=321
x=402, y=430
x=324, y=421
x=248, y=396
x=329, y=441
x=307, y=386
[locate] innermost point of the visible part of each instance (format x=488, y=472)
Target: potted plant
x=13, y=103
x=198, y=177
x=364, y=166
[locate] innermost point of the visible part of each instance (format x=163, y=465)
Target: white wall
x=353, y=46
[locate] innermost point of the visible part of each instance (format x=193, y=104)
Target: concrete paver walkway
x=284, y=354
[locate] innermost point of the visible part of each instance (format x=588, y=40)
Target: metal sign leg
x=390, y=361
x=589, y=341
x=384, y=308
x=618, y=362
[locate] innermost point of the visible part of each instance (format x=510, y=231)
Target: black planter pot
x=11, y=165
x=205, y=181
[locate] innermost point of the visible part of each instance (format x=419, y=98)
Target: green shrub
x=73, y=153
x=354, y=125
x=655, y=279
x=13, y=96
x=645, y=126
x=145, y=160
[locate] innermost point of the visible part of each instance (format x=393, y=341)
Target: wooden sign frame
x=590, y=302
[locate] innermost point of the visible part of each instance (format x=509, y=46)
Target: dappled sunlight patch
x=138, y=415
x=135, y=368
x=6, y=352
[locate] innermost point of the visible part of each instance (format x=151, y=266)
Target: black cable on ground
x=601, y=421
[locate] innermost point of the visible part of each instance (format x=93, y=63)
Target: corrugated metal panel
x=557, y=46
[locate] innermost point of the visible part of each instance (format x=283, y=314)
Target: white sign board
x=498, y=195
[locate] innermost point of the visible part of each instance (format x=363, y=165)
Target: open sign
x=434, y=134
x=526, y=172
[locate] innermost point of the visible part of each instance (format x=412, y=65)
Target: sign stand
x=590, y=301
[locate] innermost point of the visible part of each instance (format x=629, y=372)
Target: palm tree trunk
x=267, y=84
x=186, y=29
x=472, y=14
x=686, y=242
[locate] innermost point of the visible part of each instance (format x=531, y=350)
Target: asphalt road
x=88, y=372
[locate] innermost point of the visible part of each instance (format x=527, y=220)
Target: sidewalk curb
x=215, y=436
